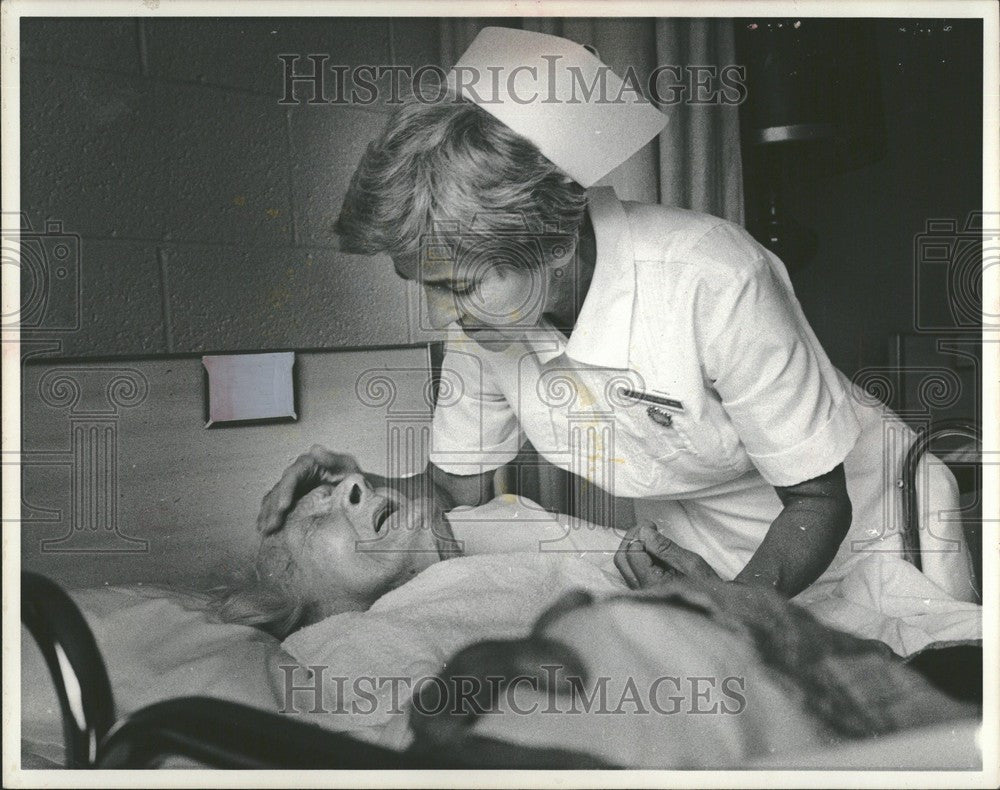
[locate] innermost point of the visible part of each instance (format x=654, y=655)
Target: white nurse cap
x=559, y=96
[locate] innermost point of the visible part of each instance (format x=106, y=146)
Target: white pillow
x=157, y=644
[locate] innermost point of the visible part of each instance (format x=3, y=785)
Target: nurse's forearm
x=804, y=538
x=449, y=490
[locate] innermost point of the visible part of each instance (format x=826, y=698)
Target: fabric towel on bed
x=886, y=598
x=368, y=664
x=371, y=662
x=881, y=595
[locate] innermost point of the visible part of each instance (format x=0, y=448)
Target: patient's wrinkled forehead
x=318, y=500
x=277, y=556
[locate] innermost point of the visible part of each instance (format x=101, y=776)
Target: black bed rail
x=211, y=731
x=943, y=429
x=75, y=662
x=223, y=734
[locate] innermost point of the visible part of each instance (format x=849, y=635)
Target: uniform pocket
x=659, y=432
x=702, y=443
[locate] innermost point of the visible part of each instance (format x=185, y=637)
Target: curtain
x=695, y=162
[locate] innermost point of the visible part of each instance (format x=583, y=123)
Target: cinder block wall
x=204, y=206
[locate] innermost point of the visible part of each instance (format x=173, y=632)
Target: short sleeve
x=784, y=397
x=474, y=428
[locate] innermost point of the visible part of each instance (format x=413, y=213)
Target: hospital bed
x=226, y=734
x=211, y=731
x=958, y=445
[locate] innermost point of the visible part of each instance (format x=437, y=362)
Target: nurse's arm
x=449, y=490
x=803, y=540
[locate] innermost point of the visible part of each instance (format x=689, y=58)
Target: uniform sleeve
x=474, y=429
x=783, y=395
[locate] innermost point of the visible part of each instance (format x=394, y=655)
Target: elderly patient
x=346, y=544
x=343, y=547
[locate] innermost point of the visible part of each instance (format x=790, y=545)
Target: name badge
x=656, y=400
x=659, y=407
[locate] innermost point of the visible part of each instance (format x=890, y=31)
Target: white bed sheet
x=157, y=644
x=161, y=644
x=880, y=596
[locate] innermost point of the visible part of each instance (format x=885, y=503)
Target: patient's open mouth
x=382, y=514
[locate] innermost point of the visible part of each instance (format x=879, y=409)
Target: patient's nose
x=354, y=491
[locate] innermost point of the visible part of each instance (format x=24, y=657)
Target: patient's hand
x=646, y=558
x=319, y=465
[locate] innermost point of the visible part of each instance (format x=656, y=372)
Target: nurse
x=657, y=352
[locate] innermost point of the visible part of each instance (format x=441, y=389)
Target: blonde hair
x=452, y=162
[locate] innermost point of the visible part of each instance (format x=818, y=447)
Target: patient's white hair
x=262, y=605
x=262, y=596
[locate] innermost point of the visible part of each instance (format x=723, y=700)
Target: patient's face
x=346, y=544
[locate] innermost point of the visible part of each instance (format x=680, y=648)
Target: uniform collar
x=603, y=328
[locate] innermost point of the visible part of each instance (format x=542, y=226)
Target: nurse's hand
x=646, y=558
x=319, y=465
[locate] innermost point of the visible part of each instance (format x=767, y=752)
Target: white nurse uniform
x=693, y=383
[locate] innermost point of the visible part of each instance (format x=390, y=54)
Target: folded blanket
x=856, y=687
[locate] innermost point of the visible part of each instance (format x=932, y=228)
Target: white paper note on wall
x=250, y=387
